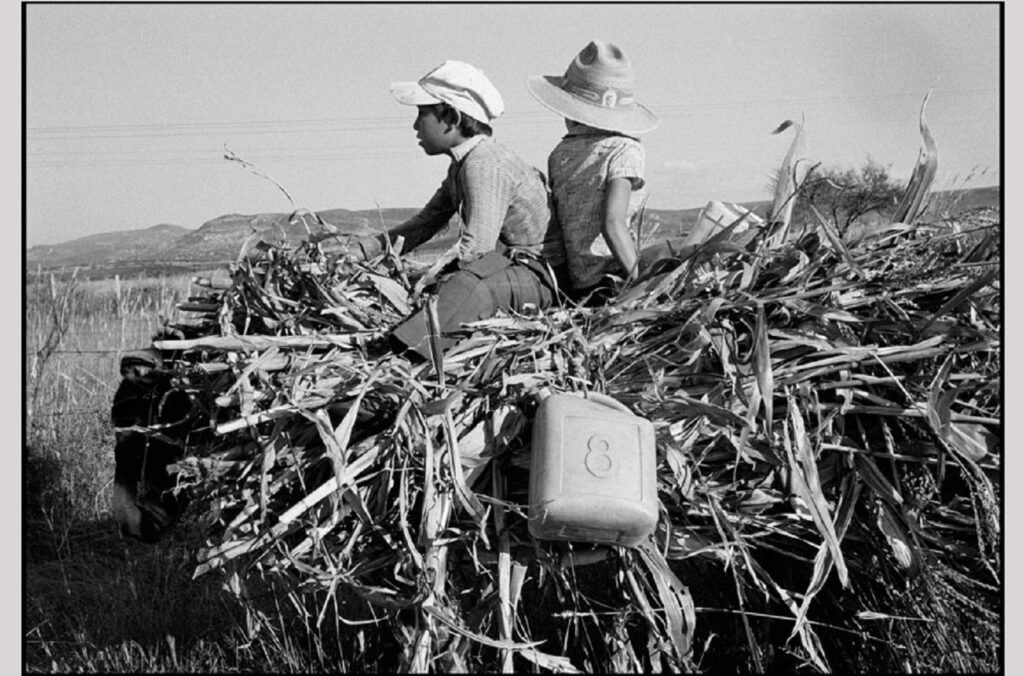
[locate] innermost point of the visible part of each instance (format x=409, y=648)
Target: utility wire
x=55, y=157
x=394, y=122
x=211, y=156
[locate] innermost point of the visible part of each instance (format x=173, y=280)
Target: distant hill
x=108, y=246
x=216, y=241
x=173, y=248
x=222, y=238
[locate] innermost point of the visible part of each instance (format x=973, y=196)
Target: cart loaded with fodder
x=780, y=452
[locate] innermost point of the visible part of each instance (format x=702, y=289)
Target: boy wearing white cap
x=596, y=171
x=507, y=237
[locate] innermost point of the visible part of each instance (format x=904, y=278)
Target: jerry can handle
x=608, y=401
x=545, y=392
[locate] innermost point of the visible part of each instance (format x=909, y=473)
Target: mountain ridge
x=219, y=240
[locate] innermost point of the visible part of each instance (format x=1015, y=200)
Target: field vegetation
x=96, y=603
x=92, y=601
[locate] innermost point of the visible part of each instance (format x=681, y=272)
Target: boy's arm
x=615, y=226
x=418, y=229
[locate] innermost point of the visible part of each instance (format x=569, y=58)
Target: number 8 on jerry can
x=592, y=471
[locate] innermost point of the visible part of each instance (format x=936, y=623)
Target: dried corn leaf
x=791, y=175
x=707, y=352
x=804, y=480
x=913, y=201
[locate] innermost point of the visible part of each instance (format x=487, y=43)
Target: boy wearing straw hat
x=508, y=242
x=596, y=171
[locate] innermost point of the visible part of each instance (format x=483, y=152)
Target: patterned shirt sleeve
x=487, y=191
x=428, y=221
x=627, y=161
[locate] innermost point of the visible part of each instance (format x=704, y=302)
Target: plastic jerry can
x=592, y=472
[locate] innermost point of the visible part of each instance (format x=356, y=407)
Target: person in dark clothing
x=509, y=251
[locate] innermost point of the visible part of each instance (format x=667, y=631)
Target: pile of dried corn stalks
x=827, y=414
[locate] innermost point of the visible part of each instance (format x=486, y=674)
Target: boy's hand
x=352, y=250
x=363, y=248
x=435, y=271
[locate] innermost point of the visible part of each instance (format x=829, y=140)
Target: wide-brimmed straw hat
x=597, y=90
x=462, y=86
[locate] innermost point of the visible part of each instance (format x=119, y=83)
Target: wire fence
x=89, y=351
x=66, y=414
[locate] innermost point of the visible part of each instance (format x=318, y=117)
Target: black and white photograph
x=504, y=337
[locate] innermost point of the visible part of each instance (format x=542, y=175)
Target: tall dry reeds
x=828, y=422
x=76, y=332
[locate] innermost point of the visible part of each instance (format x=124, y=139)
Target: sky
x=129, y=108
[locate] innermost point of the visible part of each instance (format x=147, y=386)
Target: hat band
x=605, y=98
x=462, y=100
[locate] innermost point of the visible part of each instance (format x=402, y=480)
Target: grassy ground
x=93, y=602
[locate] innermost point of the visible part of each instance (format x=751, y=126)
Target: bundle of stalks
x=282, y=292
x=827, y=414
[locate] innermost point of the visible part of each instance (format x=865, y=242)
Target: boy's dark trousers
x=478, y=290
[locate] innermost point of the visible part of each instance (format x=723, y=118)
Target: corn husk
x=827, y=418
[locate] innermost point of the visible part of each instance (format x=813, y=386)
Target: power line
x=375, y=148
x=50, y=159
x=160, y=130
x=247, y=128
x=200, y=160
x=289, y=149
x=60, y=158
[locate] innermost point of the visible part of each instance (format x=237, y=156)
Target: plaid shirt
x=580, y=167
x=499, y=197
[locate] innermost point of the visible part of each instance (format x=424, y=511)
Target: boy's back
x=597, y=170
x=579, y=168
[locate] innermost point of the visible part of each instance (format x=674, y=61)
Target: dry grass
x=829, y=428
x=93, y=602
x=76, y=332
x=826, y=415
